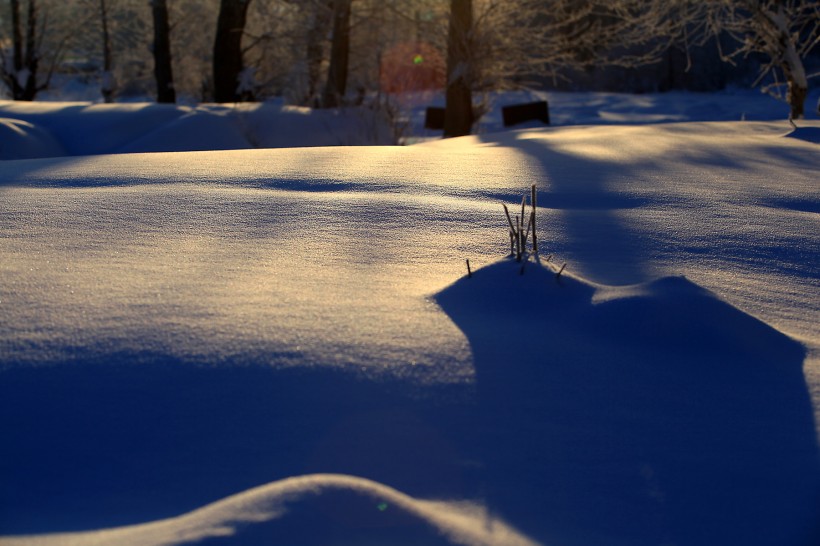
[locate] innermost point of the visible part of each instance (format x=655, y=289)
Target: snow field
x=180, y=327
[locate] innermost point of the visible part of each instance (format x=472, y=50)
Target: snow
x=248, y=346
x=22, y=140
x=87, y=128
x=84, y=128
x=363, y=500
x=809, y=134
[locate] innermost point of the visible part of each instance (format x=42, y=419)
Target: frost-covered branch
x=512, y=41
x=784, y=32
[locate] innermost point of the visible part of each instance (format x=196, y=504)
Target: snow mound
x=667, y=313
x=178, y=327
x=273, y=125
x=23, y=140
x=195, y=131
x=83, y=128
x=311, y=509
x=674, y=314
x=666, y=394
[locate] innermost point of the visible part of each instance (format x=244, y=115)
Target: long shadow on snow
x=138, y=437
x=667, y=416
x=662, y=417
x=579, y=189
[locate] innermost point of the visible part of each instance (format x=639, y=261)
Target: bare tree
x=458, y=111
x=336, y=84
x=161, y=49
x=20, y=73
x=495, y=44
x=192, y=45
x=38, y=44
x=319, y=26
x=522, y=38
x=117, y=44
x=108, y=84
x=783, y=32
x=228, y=64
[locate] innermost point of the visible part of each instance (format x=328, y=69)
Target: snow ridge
x=244, y=517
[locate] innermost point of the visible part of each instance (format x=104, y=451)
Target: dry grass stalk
x=513, y=234
x=527, y=233
x=518, y=235
x=534, y=205
x=518, y=249
x=507, y=212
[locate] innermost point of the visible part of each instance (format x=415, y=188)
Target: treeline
x=327, y=53
x=224, y=50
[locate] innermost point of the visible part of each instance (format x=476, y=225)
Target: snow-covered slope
x=59, y=128
x=55, y=129
x=327, y=506
x=178, y=328
x=23, y=140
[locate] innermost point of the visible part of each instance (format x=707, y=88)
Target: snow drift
x=178, y=328
x=313, y=509
x=55, y=129
x=659, y=393
x=22, y=140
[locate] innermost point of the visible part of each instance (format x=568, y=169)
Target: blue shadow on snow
x=661, y=416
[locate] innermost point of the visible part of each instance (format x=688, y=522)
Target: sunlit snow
x=281, y=346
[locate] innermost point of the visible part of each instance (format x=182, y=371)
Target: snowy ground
x=282, y=347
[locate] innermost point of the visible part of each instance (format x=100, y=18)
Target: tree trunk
x=791, y=63
x=17, y=36
x=11, y=73
x=336, y=85
x=797, y=100
x=315, y=50
x=227, y=57
x=162, y=53
x=21, y=78
x=20, y=72
x=107, y=84
x=458, y=110
x=798, y=82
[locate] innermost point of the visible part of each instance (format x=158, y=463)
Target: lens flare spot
x=410, y=67
x=382, y=506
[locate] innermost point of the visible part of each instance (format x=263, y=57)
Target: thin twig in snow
x=518, y=239
x=527, y=233
x=507, y=212
x=534, y=204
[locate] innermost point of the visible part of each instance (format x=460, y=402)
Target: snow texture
x=282, y=346
x=82, y=128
